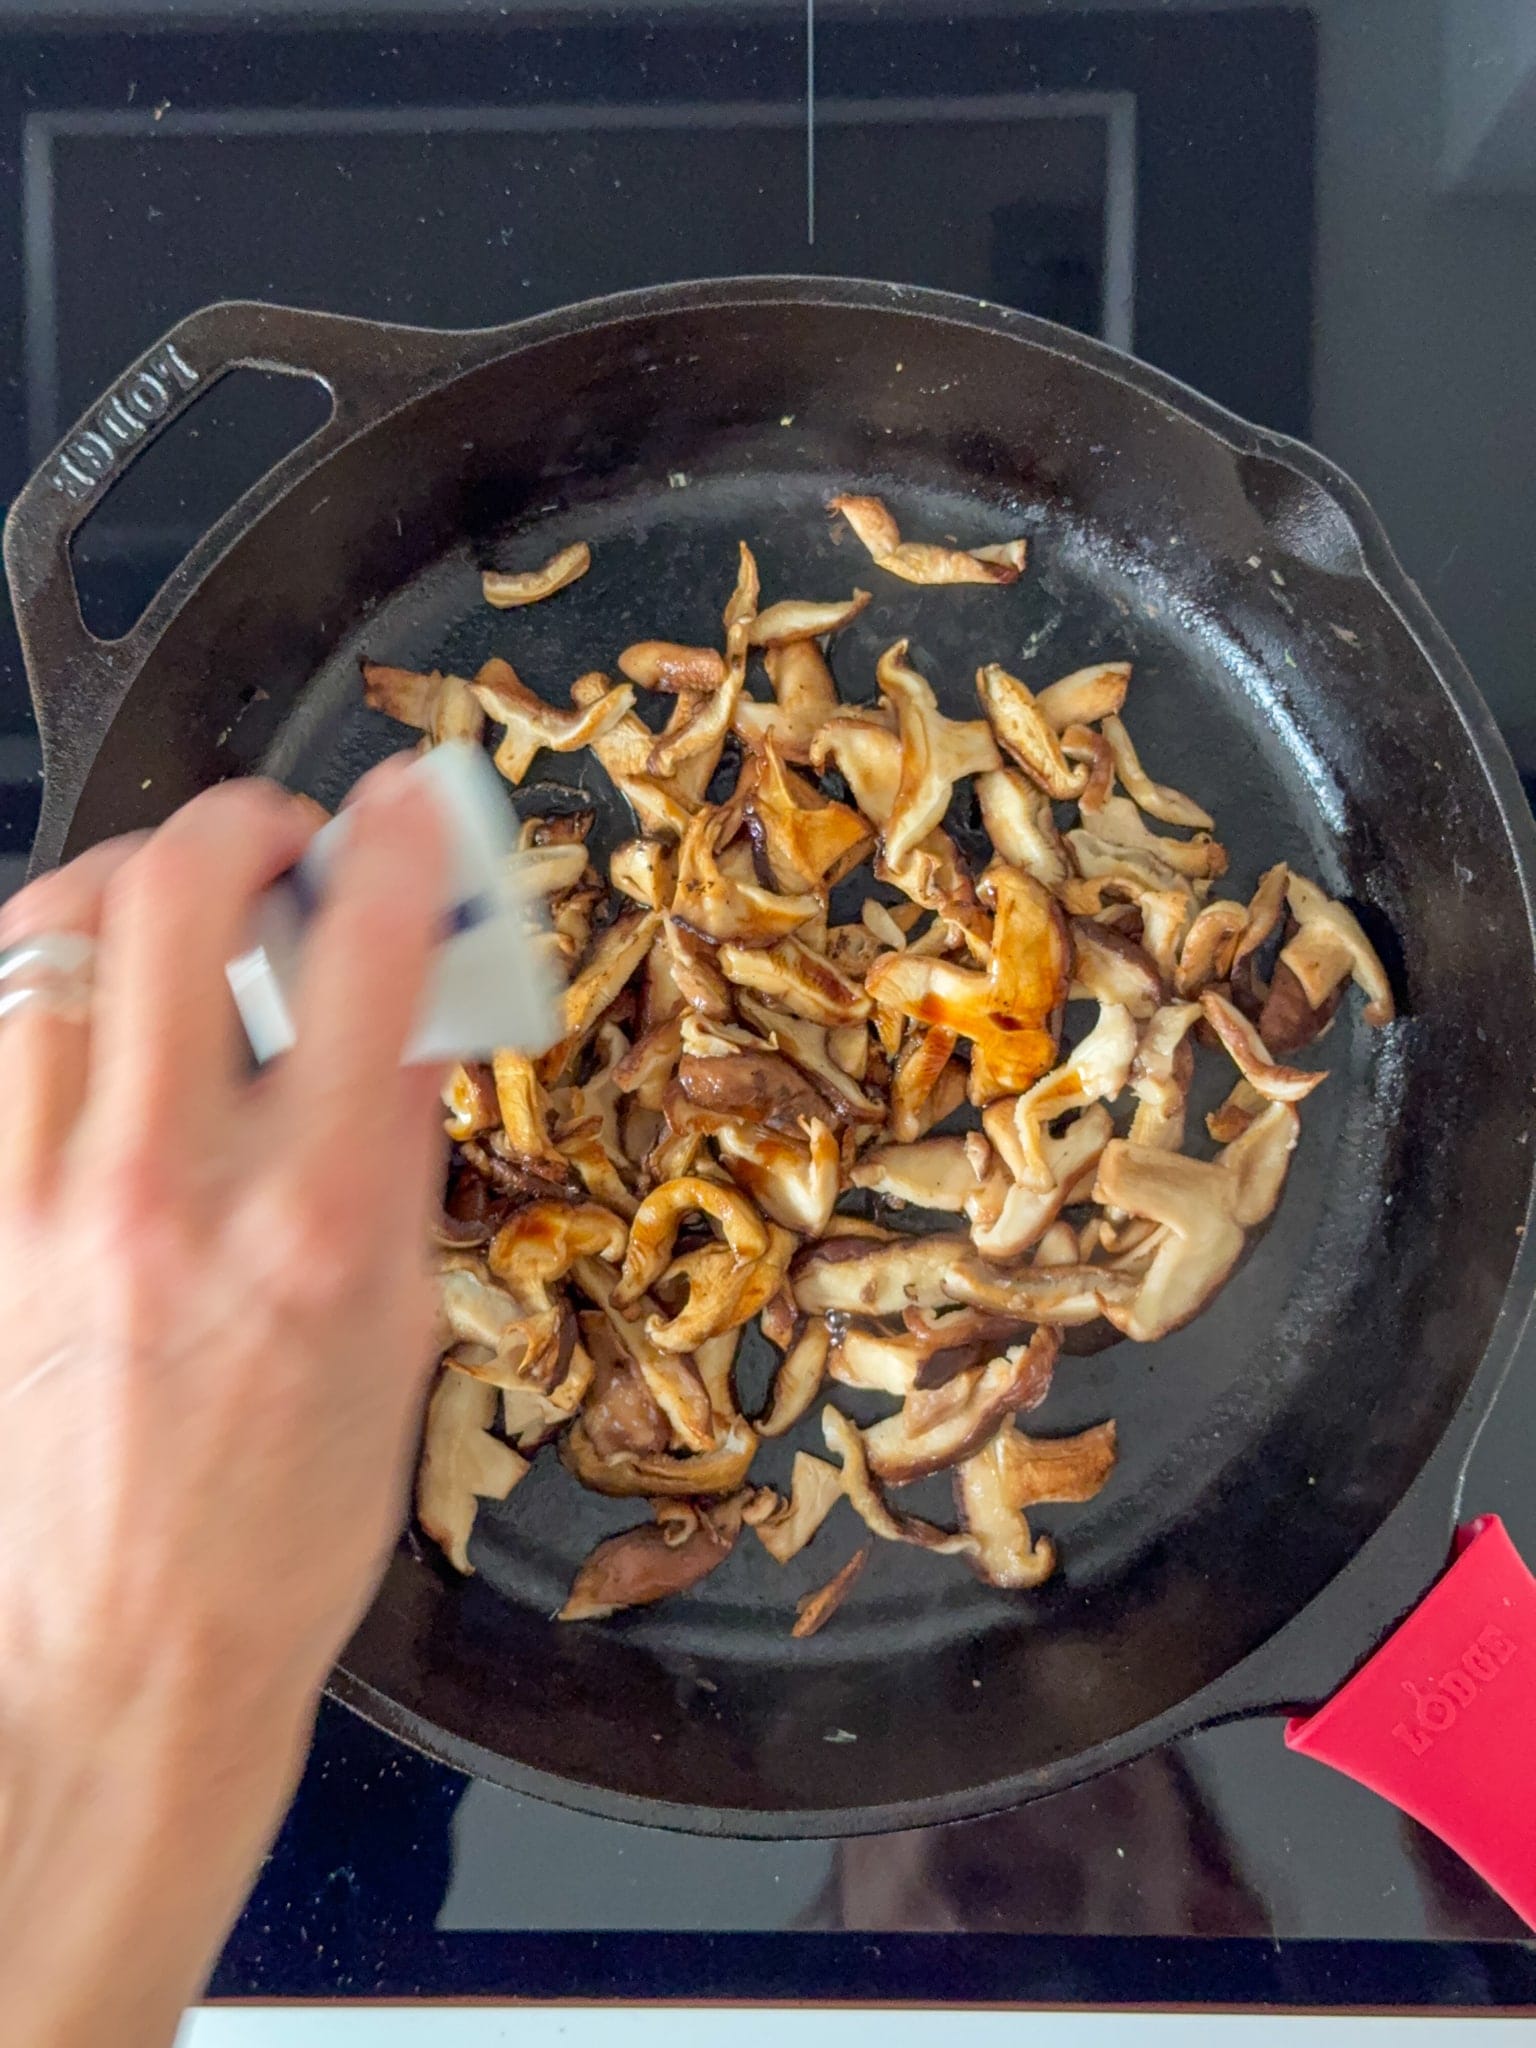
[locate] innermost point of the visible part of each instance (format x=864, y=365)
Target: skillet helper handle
x=1442, y=1719
x=78, y=679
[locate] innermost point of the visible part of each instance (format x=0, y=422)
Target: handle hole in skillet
x=179, y=484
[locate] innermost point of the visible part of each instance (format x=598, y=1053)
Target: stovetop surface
x=1324, y=217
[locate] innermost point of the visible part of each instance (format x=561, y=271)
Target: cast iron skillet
x=1291, y=1462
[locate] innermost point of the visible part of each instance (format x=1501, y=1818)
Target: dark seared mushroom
x=937, y=1427
x=814, y=1610
x=641, y=1565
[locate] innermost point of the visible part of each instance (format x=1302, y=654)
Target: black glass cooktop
x=1324, y=217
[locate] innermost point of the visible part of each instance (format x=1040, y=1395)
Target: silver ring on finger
x=52, y=971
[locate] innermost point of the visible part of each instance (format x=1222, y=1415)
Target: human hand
x=217, y=1315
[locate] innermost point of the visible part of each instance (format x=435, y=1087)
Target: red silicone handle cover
x=1442, y=1720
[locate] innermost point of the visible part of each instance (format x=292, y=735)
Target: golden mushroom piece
x=1008, y=1011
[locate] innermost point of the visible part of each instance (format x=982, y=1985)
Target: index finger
x=367, y=955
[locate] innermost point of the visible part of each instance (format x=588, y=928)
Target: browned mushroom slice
x=1020, y=824
x=1119, y=823
x=795, y=618
x=1210, y=946
x=1205, y=1207
x=864, y=749
x=870, y=1504
x=815, y=1489
x=1086, y=696
x=762, y=1087
x=540, y=1243
x=1090, y=750
x=873, y=1279
x=1330, y=946
x=804, y=698
x=624, y=750
x=1025, y=733
x=469, y=1096
x=472, y=1309
x=618, y=952
x=1007, y=1012
x=874, y=1358
x=528, y=586
x=798, y=1379
x=532, y=725
x=725, y=908
x=671, y=1380
x=1251, y=1055
x=1155, y=798
x=928, y=1084
x=669, y=1475
x=1111, y=876
x=647, y=1068
x=524, y=1111
x=1235, y=1113
x=530, y=1417
x=792, y=974
x=549, y=871
x=640, y=1566
x=1108, y=967
x=654, y=1227
x=443, y=707
x=461, y=1463
x=620, y=1413
x=588, y=1132
x=723, y=1291
x=697, y=731
x=645, y=871
x=808, y=841
x=664, y=665
x=1095, y=1071
x=995, y=1488
x=840, y=1100
x=1057, y=1246
x=936, y=753
x=795, y=1183
x=1287, y=1022
x=848, y=1049
x=1258, y=1160
x=936, y=1428
x=935, y=1173
x=1160, y=1076
x=1062, y=1296
x=952, y=1341
x=814, y=1610
x=1006, y=1231
x=924, y=561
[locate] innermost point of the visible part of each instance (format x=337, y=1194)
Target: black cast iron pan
x=1291, y=1462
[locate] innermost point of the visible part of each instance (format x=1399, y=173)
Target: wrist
x=123, y=1861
